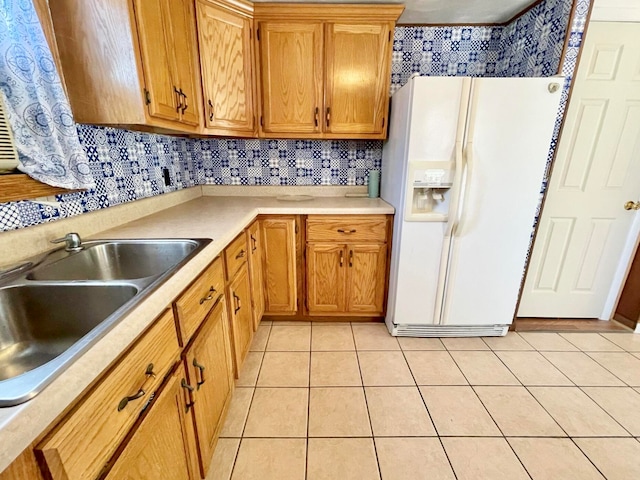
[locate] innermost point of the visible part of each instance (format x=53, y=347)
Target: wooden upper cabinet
x=357, y=73
x=325, y=70
x=227, y=67
x=158, y=61
x=291, y=64
x=125, y=62
x=185, y=48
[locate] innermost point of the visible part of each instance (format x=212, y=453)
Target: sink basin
x=43, y=327
x=118, y=260
x=54, y=308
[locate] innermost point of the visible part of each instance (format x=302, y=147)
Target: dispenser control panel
x=433, y=177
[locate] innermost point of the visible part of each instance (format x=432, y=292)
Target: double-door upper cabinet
x=324, y=70
x=228, y=67
x=130, y=62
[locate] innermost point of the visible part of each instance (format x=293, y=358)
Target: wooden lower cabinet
x=163, y=445
x=346, y=279
x=209, y=371
x=240, y=315
x=254, y=245
x=326, y=278
x=280, y=265
x=366, y=278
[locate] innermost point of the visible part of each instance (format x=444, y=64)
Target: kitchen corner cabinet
x=209, y=369
x=324, y=69
x=254, y=245
x=346, y=265
x=280, y=234
x=226, y=56
x=162, y=446
x=239, y=299
x=130, y=62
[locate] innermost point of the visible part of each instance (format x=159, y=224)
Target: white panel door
x=508, y=135
x=584, y=226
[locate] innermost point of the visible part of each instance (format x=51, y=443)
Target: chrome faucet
x=73, y=242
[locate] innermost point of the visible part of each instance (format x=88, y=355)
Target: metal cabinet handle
x=188, y=387
x=201, y=368
x=236, y=301
x=315, y=116
x=342, y=230
x=240, y=254
x=253, y=244
x=328, y=116
x=209, y=296
x=341, y=257
x=179, y=103
x=210, y=110
x=351, y=258
x=185, y=104
x=141, y=391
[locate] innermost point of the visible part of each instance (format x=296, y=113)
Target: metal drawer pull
x=186, y=386
x=240, y=254
x=236, y=300
x=209, y=296
x=201, y=368
x=342, y=230
x=141, y=391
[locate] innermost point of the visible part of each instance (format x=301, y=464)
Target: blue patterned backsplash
x=129, y=165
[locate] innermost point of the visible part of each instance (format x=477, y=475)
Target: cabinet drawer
x=85, y=440
x=236, y=255
x=347, y=228
x=194, y=304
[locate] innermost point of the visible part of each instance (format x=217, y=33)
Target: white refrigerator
x=463, y=166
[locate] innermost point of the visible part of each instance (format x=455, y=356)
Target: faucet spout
x=73, y=242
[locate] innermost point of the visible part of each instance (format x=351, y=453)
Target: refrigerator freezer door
x=514, y=119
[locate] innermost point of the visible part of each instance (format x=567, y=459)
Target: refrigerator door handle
x=465, y=98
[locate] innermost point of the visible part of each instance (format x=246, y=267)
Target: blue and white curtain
x=38, y=110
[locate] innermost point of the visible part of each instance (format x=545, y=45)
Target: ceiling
x=447, y=11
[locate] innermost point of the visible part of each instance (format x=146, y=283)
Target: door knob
x=632, y=205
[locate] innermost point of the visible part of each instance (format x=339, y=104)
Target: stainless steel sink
x=117, y=260
x=56, y=307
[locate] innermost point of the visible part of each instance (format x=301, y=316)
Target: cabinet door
x=357, y=77
x=326, y=276
x=291, y=69
x=158, y=61
x=225, y=53
x=366, y=278
x=185, y=49
x=240, y=315
x=280, y=265
x=254, y=244
x=208, y=364
x=163, y=446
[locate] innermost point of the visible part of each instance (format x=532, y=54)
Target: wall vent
x=8, y=152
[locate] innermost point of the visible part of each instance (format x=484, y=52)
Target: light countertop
x=218, y=217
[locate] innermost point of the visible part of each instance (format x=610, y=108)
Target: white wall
x=616, y=11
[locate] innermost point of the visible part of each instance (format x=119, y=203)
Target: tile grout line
x=235, y=460
x=366, y=403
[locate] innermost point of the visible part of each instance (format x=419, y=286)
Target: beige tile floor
x=348, y=401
